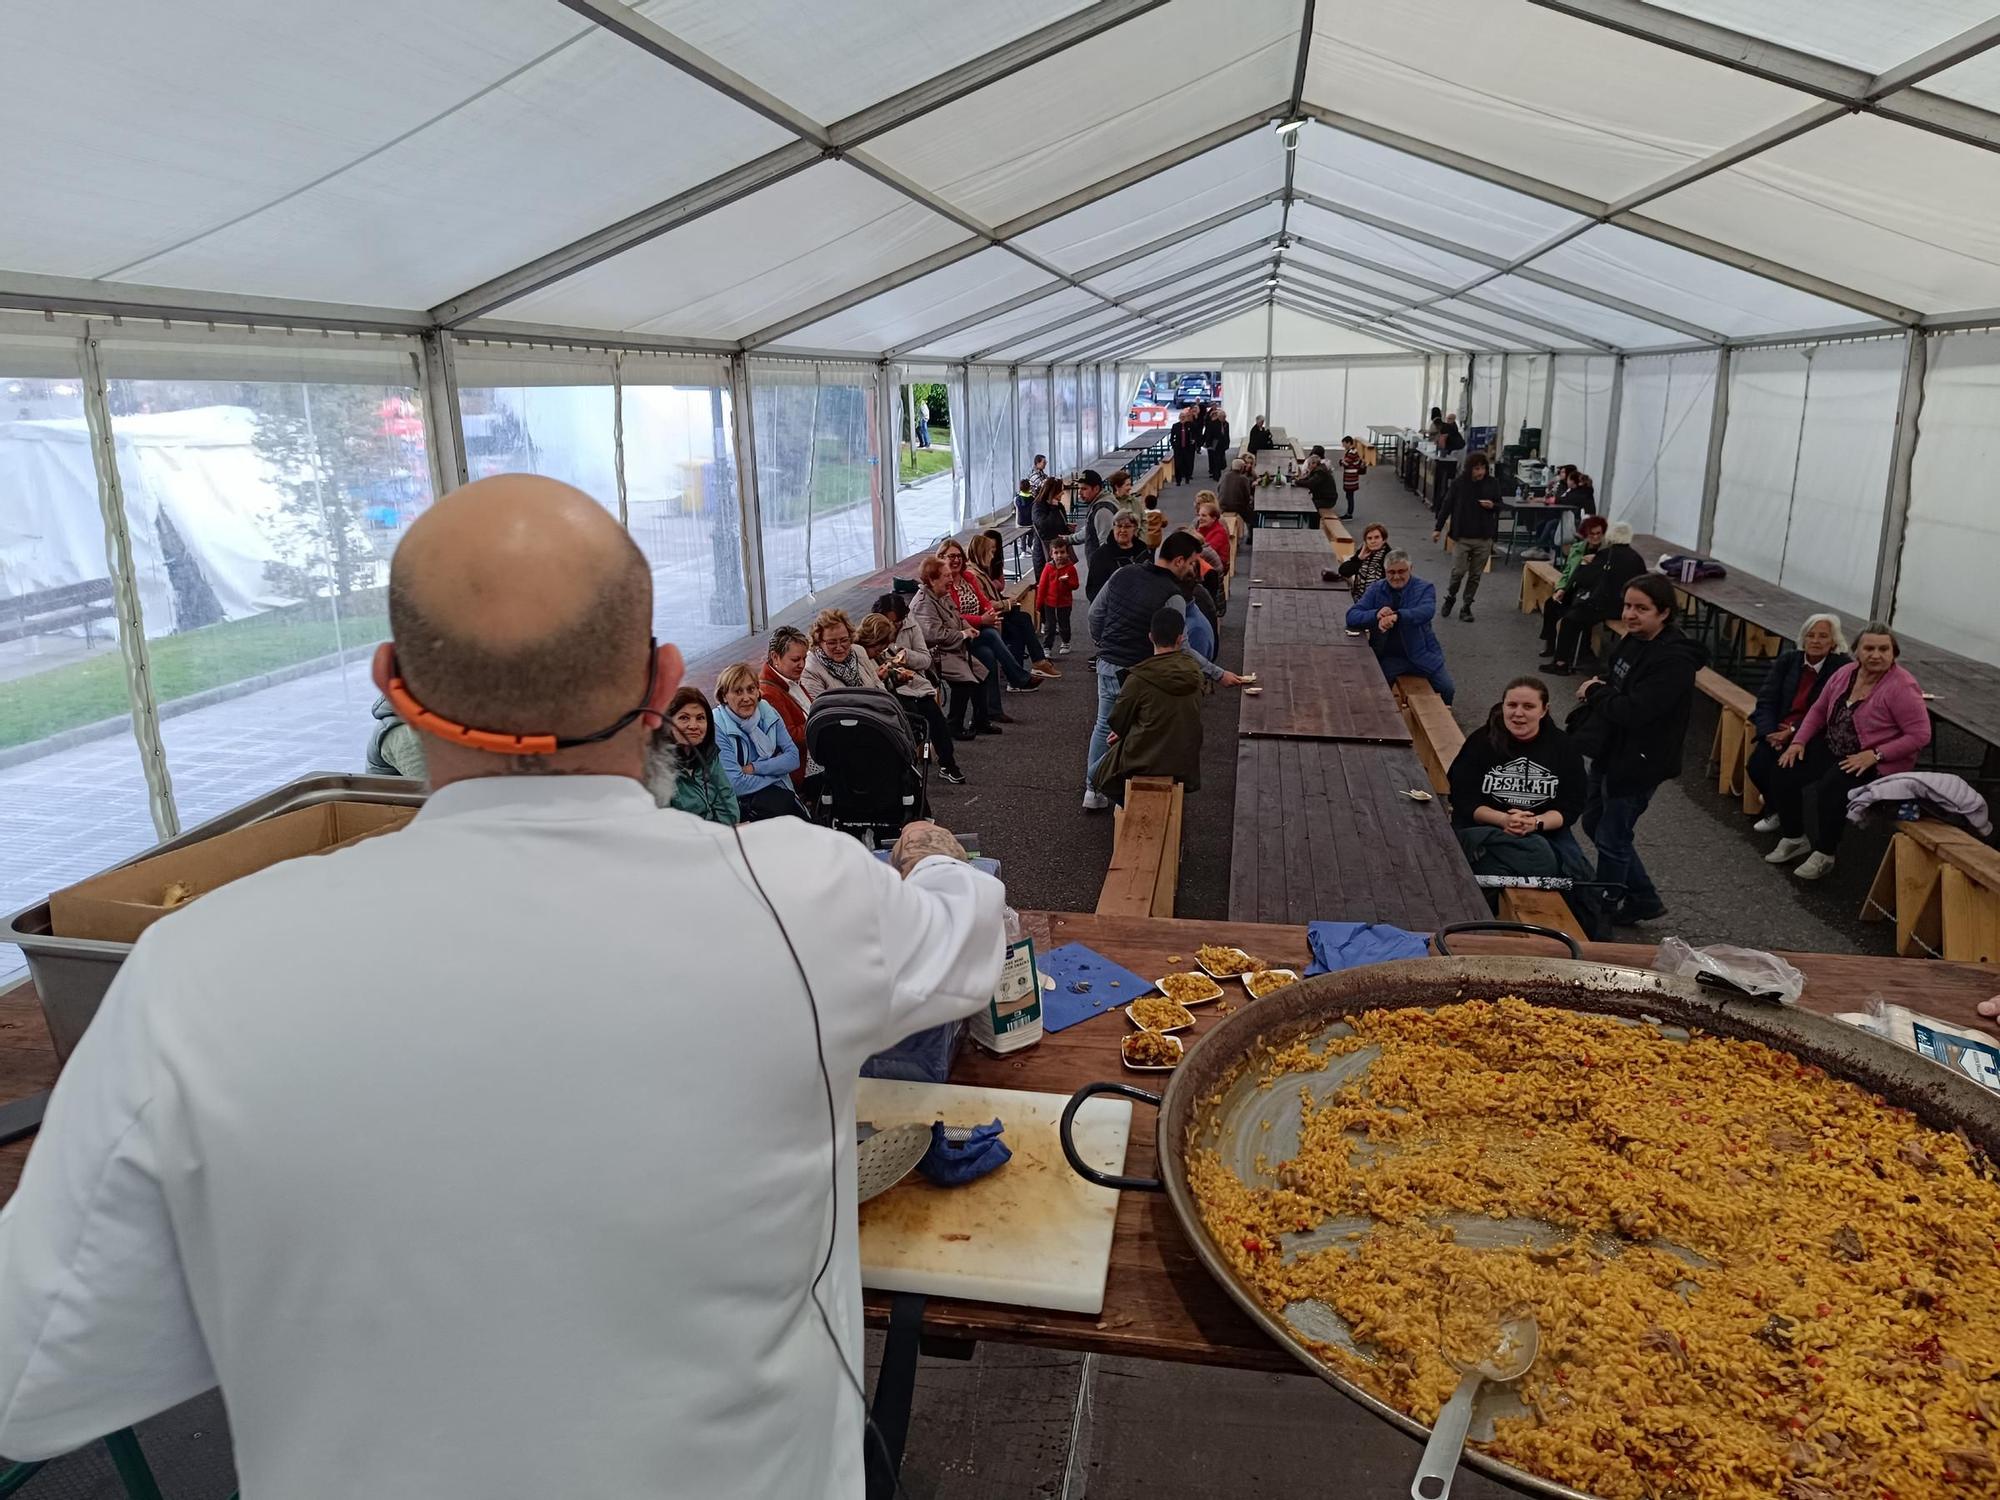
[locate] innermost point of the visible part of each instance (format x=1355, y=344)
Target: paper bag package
x=120, y=904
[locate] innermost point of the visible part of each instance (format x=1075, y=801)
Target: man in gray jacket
x=1121, y=622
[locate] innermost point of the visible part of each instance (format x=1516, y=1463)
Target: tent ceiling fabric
x=1563, y=174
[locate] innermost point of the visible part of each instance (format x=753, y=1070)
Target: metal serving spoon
x=1516, y=1343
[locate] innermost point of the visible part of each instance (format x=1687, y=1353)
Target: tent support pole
x=1500, y=404
x=1711, y=478
x=1270, y=336
x=748, y=508
x=888, y=433
x=1896, y=513
x=1549, y=406
x=125, y=595
x=1014, y=426
x=444, y=429
x=1610, y=428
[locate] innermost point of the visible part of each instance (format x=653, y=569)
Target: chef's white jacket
x=489, y=1159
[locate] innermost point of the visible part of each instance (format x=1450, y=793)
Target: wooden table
x=1328, y=692
x=1294, y=568
x=1298, y=617
x=1284, y=505
x=1323, y=831
x=1159, y=1302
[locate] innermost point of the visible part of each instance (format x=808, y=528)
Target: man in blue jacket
x=1397, y=611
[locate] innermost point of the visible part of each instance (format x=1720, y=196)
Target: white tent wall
x=1111, y=408
x=990, y=428
x=1663, y=445
x=1527, y=389
x=1381, y=396
x=1243, y=397
x=1088, y=408
x=1031, y=412
x=1309, y=404
x=1945, y=587
x=1580, y=421
x=1062, y=417
x=1805, y=466
x=1485, y=411
x=818, y=457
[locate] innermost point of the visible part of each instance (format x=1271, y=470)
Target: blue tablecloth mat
x=1110, y=987
x=1349, y=945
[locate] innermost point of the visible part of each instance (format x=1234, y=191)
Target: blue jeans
x=990, y=649
x=1610, y=819
x=1394, y=666
x=1100, y=733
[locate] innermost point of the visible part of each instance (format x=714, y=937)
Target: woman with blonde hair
x=833, y=662
x=758, y=753
x=1017, y=625
x=901, y=657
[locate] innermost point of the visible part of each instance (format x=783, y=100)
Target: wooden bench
x=1336, y=533
x=1233, y=524
x=1540, y=909
x=45, y=611
x=1145, y=852
x=1538, y=585
x=1942, y=887
x=1729, y=752
x=1433, y=731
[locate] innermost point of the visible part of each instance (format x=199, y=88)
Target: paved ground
x=1013, y=1422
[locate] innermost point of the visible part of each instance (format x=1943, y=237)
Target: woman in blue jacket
x=1396, y=610
x=758, y=754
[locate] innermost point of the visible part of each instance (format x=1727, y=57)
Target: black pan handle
x=1554, y=935
x=1082, y=1168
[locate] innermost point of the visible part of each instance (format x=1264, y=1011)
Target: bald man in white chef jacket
x=494, y=1157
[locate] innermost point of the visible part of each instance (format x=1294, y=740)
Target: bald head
x=519, y=604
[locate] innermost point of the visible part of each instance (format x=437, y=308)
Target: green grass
x=922, y=464
x=83, y=692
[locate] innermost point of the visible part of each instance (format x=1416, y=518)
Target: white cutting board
x=1032, y=1233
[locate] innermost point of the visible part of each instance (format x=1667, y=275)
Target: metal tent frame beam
x=1892, y=95
x=1137, y=345
x=1400, y=338
x=1078, y=347
x=1545, y=324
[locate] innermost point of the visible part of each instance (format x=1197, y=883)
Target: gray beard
x=662, y=776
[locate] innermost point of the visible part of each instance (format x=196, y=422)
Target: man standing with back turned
x=511, y=1153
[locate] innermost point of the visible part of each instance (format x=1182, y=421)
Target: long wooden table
x=1297, y=617
x=1284, y=505
x=1159, y=1303
x=1323, y=831
x=1293, y=568
x=1323, y=691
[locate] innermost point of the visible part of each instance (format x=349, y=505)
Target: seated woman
x=1870, y=721
x=1597, y=595
x=935, y=617
x=1017, y=625
x=758, y=753
x=833, y=661
x=1208, y=525
x=684, y=767
x=1364, y=565
x=1121, y=551
x=1260, y=437
x=1792, y=687
x=898, y=652
x=986, y=644
x=1397, y=611
x=784, y=667
x=1517, y=789
x=1589, y=540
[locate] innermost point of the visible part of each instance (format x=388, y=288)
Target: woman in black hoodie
x=1518, y=789
x=1596, y=594
x=1631, y=727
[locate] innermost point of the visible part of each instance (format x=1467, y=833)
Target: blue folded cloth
x=1349, y=945
x=961, y=1153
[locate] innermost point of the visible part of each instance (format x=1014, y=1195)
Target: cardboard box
x=120, y=904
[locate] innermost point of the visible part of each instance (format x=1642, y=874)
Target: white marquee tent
x=1740, y=259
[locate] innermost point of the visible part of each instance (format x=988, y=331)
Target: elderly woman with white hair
x=1596, y=595
x=1792, y=688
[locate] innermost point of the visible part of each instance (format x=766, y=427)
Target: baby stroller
x=872, y=777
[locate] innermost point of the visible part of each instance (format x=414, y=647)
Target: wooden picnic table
x=1324, y=830
x=1298, y=617
x=1327, y=692
x=1293, y=568
x=1284, y=505
x=1159, y=1303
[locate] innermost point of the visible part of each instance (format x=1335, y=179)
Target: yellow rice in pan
x=1842, y=1341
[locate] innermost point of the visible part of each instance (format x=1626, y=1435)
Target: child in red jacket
x=1054, y=593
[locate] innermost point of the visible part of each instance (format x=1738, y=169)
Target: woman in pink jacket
x=1870, y=721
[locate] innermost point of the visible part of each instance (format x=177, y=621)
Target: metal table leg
x=895, y=1389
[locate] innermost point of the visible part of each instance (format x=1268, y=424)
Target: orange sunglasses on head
x=497, y=742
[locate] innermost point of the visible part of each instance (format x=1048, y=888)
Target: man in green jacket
x=1156, y=722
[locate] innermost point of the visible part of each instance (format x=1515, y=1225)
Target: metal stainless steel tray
x=1212, y=1098
x=72, y=974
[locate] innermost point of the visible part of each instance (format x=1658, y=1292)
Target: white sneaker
x=1062, y=649
x=1766, y=824
x=1095, y=802
x=1788, y=850
x=1818, y=866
